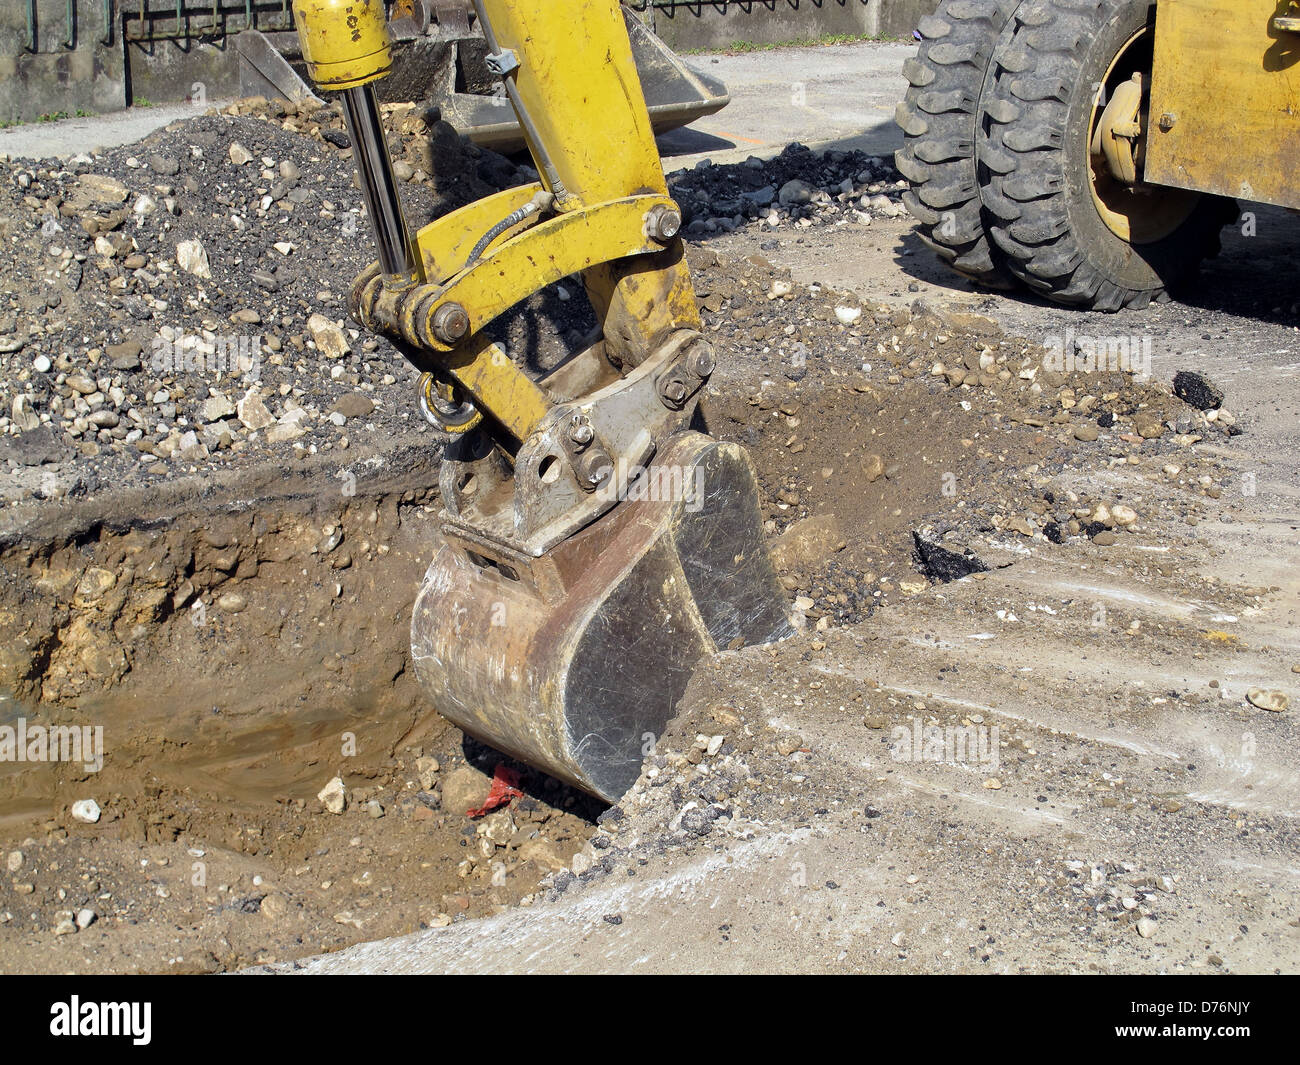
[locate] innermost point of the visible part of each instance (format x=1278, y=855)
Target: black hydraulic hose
x=512, y=219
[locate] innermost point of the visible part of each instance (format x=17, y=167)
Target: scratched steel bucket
x=575, y=662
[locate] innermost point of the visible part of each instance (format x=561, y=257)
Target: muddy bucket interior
x=575, y=661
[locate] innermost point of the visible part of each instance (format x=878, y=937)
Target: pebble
x=334, y=796
x=788, y=742
x=86, y=811
x=1267, y=699
x=1146, y=927
x=193, y=258
x=232, y=603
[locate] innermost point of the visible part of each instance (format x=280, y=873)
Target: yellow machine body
x=1225, y=99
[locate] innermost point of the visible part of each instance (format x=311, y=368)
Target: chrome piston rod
x=378, y=186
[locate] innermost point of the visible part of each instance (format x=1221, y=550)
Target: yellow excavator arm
x=592, y=547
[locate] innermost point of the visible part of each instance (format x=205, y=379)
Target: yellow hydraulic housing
x=345, y=42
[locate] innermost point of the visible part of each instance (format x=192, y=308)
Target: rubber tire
x=1034, y=177
x=938, y=116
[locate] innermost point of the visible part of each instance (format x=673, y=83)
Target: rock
x=374, y=808
x=239, y=155
x=847, y=315
x=14, y=861
x=124, y=356
x=232, y=603
x=427, y=771
x=274, y=906
x=164, y=164
x=940, y=564
x=1197, y=390
x=1122, y=515
x=873, y=468
x=1149, y=426
x=42, y=364
x=498, y=827
x=1020, y=525
x=65, y=925
x=1087, y=432
x=1146, y=927
x=353, y=405
x=22, y=415
x=288, y=428
x=328, y=337
x=334, y=796
x=98, y=188
x=83, y=383
x=464, y=789
x=192, y=258
x=252, y=411
x=86, y=811
x=795, y=192
x=1104, y=538
x=1267, y=699
x=807, y=542
x=37, y=447
x=787, y=743
x=543, y=852
x=85, y=918
x=216, y=407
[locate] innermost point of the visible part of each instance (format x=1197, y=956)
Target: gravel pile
x=183, y=301
x=799, y=187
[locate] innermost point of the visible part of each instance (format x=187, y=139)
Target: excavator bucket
x=574, y=663
x=593, y=546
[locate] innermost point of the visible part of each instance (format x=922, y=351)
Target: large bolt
x=672, y=390
x=663, y=223
x=450, y=323
x=580, y=430
x=593, y=468
x=701, y=360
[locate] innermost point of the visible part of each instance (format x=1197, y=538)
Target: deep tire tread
x=1024, y=186
x=939, y=118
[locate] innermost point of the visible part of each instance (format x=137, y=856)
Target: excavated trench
x=222, y=637
x=242, y=640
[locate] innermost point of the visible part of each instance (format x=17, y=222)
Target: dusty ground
x=1122, y=805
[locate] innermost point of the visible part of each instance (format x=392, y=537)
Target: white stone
x=86, y=811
